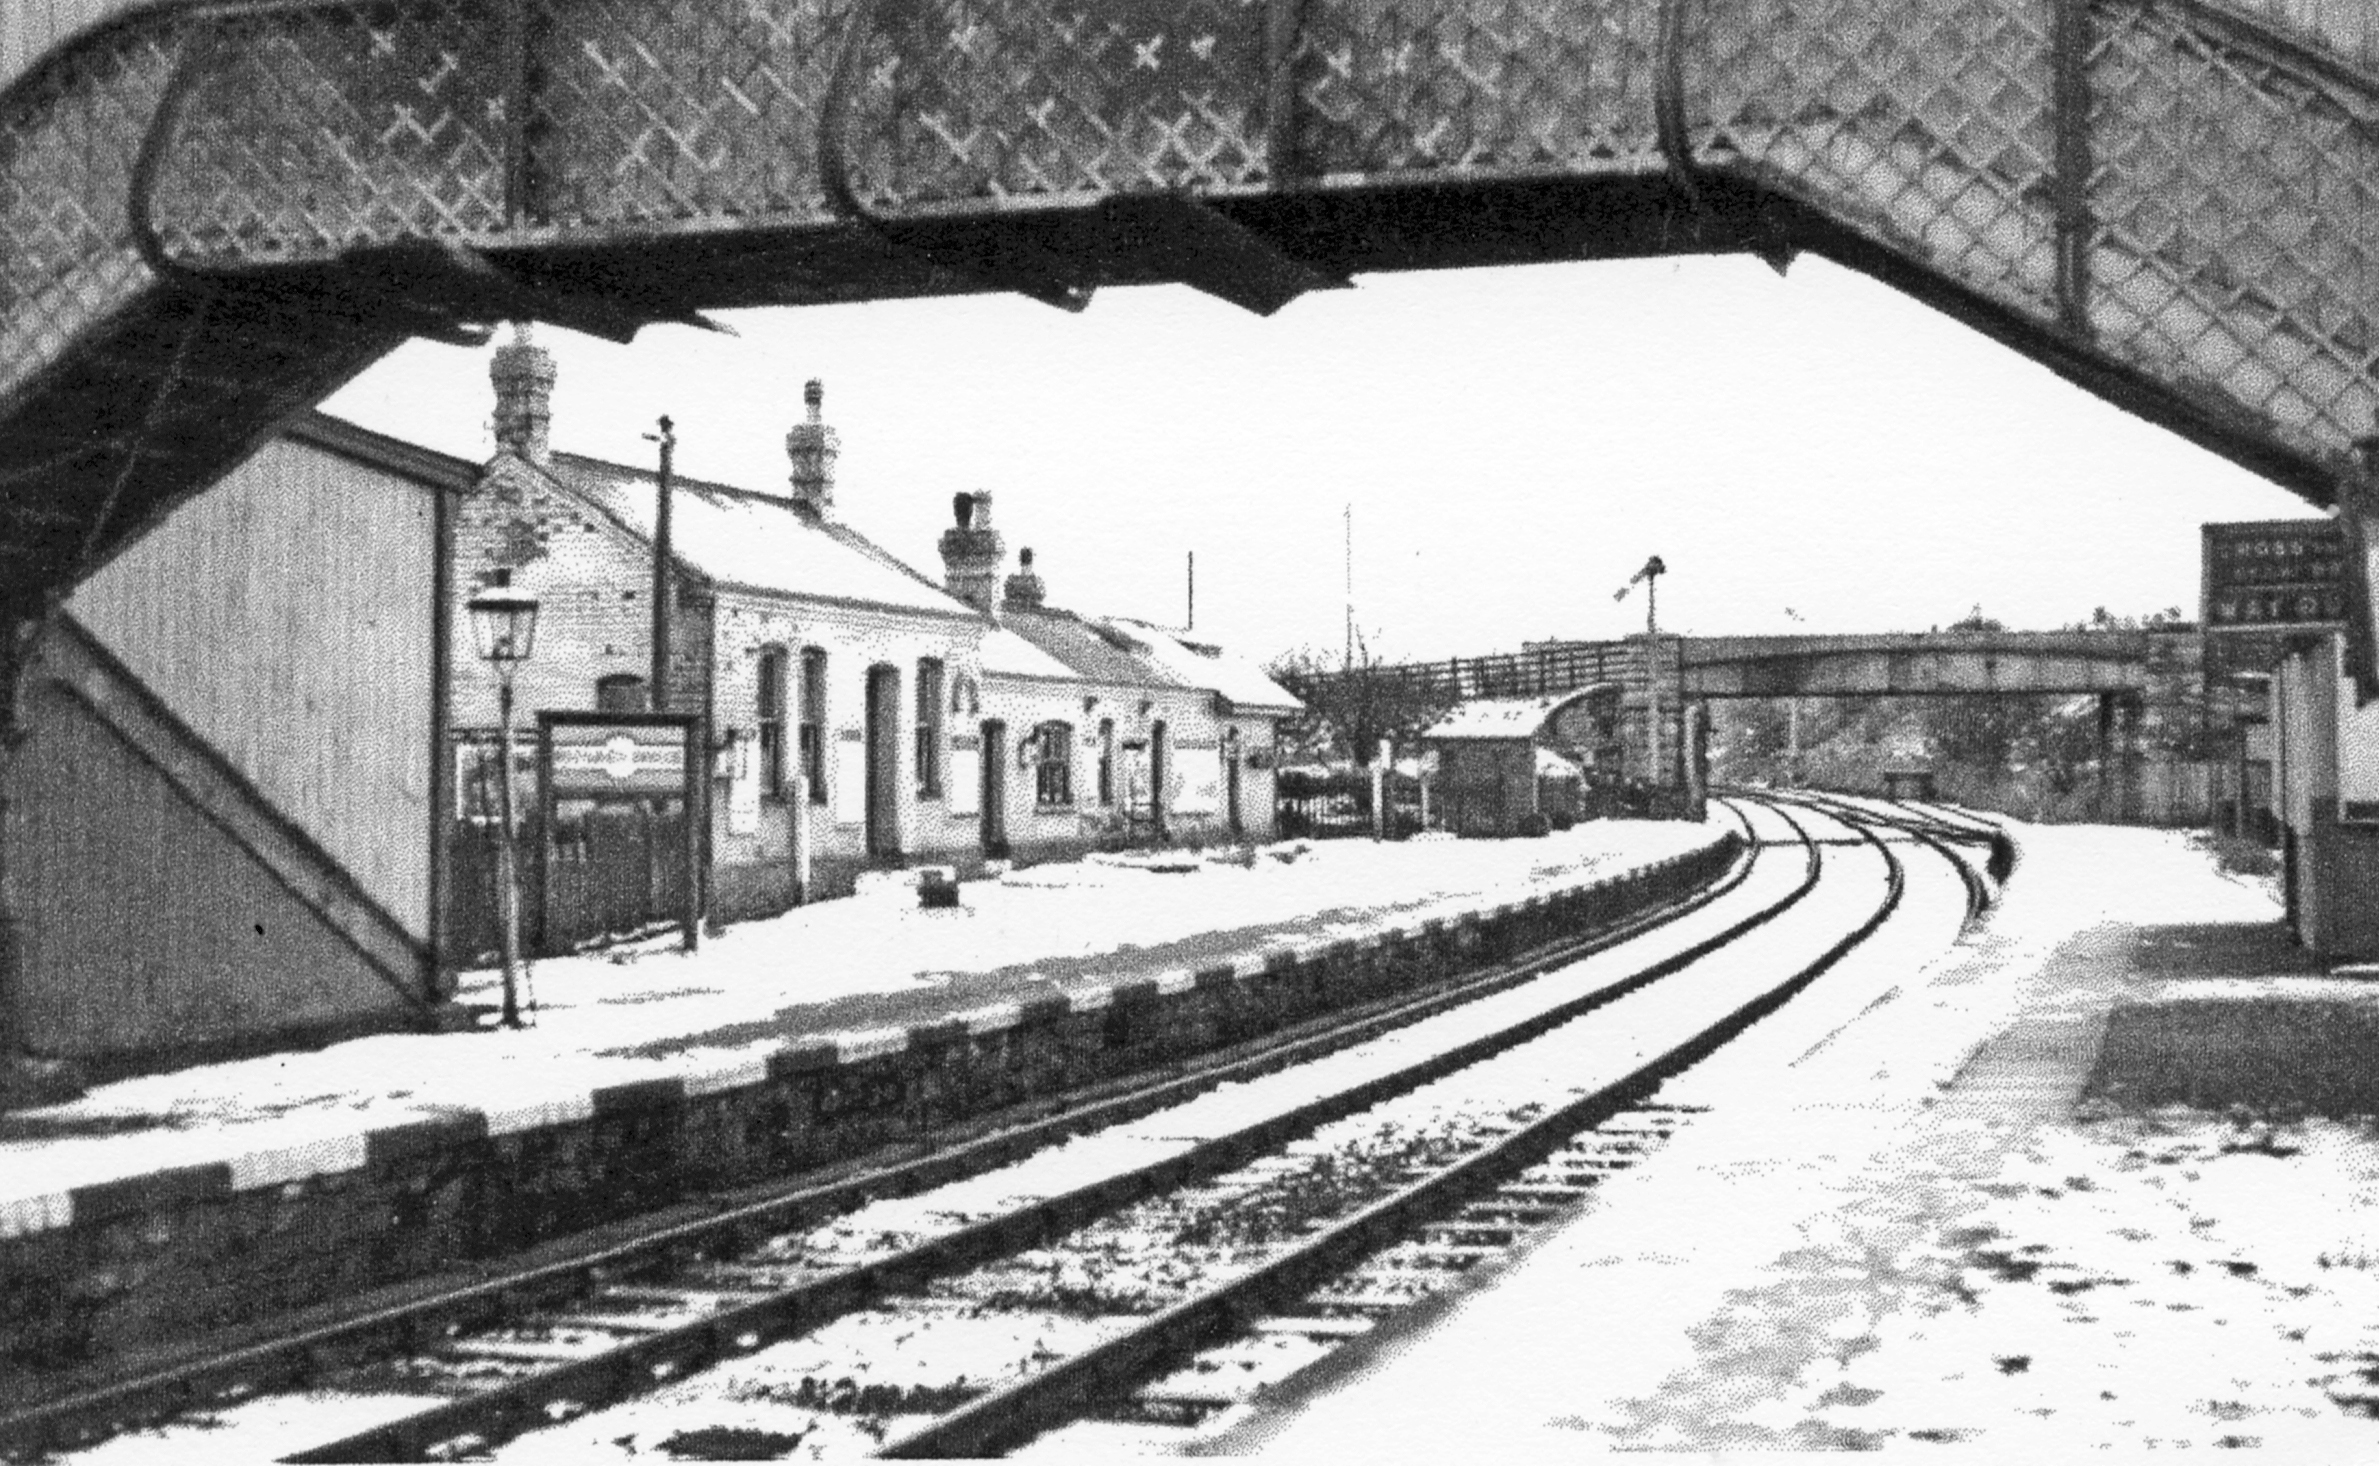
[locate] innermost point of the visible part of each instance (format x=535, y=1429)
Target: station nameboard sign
x=598, y=760
x=2286, y=573
x=2263, y=579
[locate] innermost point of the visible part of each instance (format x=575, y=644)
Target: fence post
x=697, y=831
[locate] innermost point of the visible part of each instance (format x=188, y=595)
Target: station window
x=620, y=692
x=929, y=728
x=771, y=715
x=1053, y=764
x=1106, y=760
x=813, y=721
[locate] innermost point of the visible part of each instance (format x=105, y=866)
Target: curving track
x=1289, y=1205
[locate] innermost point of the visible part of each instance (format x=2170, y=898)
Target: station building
x=859, y=715
x=1142, y=733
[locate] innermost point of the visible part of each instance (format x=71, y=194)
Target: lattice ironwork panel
x=2350, y=28
x=305, y=133
x=67, y=141
x=1489, y=88
x=1929, y=123
x=2235, y=198
x=647, y=113
x=1035, y=101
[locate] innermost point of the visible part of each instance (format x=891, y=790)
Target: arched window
x=621, y=692
x=1053, y=764
x=813, y=721
x=771, y=714
x=929, y=728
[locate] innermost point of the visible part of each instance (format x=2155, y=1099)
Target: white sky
x=1514, y=442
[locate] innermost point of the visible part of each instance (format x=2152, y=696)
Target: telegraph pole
x=658, y=685
x=1349, y=663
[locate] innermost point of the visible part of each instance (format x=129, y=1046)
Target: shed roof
x=410, y=460
x=1510, y=717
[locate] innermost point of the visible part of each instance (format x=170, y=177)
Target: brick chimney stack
x=523, y=375
x=1025, y=591
x=973, y=552
x=813, y=447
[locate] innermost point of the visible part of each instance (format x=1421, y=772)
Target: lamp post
x=506, y=629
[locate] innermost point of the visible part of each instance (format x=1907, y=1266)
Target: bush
x=1535, y=826
x=1564, y=820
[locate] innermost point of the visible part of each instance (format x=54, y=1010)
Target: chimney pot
x=1024, y=588
x=813, y=448
x=523, y=375
x=972, y=553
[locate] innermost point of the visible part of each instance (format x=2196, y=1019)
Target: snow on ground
x=871, y=962
x=1904, y=1235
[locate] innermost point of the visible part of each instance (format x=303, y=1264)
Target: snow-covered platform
x=650, y=1070
x=1950, y=1202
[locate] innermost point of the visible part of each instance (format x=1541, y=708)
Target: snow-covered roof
x=1089, y=649
x=1551, y=764
x=1007, y=654
x=1509, y=717
x=1238, y=679
x=757, y=541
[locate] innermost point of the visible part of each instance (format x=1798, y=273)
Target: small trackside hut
x=1508, y=766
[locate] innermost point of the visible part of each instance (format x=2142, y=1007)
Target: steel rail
x=1006, y=1416
x=1918, y=827
x=2005, y=852
x=730, y=1220
x=653, y=1359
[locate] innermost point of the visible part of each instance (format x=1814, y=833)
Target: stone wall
x=176, y=1254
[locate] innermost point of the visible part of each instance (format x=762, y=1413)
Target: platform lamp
x=505, y=627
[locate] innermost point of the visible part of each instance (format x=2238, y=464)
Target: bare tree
x=1350, y=708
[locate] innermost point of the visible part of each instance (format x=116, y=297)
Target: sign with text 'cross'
x=2264, y=580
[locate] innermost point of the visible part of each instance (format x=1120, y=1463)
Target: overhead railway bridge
x=213, y=214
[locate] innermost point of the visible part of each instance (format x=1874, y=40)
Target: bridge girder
x=214, y=214
x=1909, y=674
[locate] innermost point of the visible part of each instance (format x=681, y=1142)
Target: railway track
x=1407, y=1148
x=1939, y=830
x=99, y=1404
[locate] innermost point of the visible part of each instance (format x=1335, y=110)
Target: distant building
x=860, y=715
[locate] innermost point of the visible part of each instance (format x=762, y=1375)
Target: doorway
x=1160, y=760
x=995, y=790
x=1231, y=782
x=883, y=764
